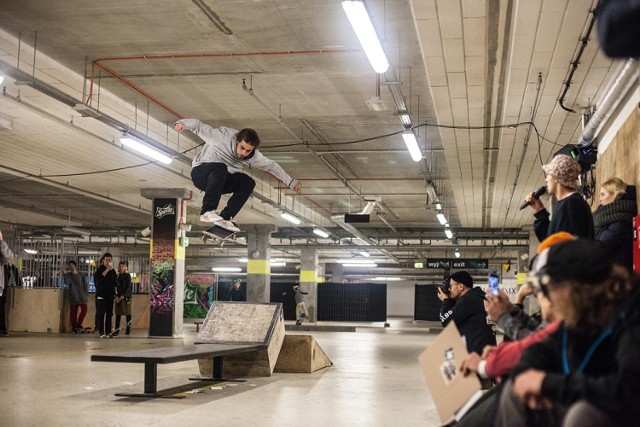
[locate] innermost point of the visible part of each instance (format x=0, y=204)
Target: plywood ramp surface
x=301, y=354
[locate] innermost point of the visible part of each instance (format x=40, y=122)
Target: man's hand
x=179, y=127
x=536, y=204
x=527, y=388
x=524, y=291
x=470, y=364
x=441, y=295
x=497, y=305
x=298, y=187
x=1, y=236
x=487, y=350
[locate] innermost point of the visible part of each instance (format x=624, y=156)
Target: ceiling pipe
x=100, y=64
x=622, y=83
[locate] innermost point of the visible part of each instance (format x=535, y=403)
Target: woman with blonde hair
x=613, y=220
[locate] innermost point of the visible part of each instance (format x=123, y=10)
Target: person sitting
x=587, y=372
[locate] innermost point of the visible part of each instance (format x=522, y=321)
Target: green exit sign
x=185, y=241
x=418, y=265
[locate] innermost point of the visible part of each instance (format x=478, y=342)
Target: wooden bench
x=152, y=357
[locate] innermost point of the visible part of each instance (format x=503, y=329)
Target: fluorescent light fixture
x=439, y=206
x=320, y=232
x=441, y=218
x=227, y=269
x=358, y=265
x=145, y=149
x=277, y=263
x=457, y=253
x=31, y=251
x=405, y=119
x=356, y=261
x=76, y=231
x=412, y=145
x=387, y=279
x=362, y=26
x=1, y=78
x=291, y=218
x=364, y=254
x=243, y=259
x=448, y=233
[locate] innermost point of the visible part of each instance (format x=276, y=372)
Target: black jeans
x=215, y=180
x=104, y=312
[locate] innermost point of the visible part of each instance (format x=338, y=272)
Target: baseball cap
x=463, y=277
x=583, y=260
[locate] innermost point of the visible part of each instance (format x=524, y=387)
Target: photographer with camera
x=464, y=304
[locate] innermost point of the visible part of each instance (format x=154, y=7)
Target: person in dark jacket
x=5, y=256
x=587, y=373
x=237, y=293
x=78, y=295
x=464, y=304
x=572, y=213
x=613, y=220
x=105, y=279
x=123, y=298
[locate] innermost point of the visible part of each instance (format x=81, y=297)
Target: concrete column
x=258, y=258
x=337, y=273
x=309, y=281
x=167, y=253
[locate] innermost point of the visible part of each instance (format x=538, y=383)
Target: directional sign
x=458, y=263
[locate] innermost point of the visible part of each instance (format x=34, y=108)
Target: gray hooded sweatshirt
x=5, y=256
x=220, y=147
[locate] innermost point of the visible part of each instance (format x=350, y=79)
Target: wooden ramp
x=301, y=354
x=244, y=323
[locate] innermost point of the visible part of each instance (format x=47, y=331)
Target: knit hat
x=463, y=277
x=583, y=260
x=565, y=169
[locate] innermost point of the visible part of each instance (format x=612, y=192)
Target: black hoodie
x=470, y=318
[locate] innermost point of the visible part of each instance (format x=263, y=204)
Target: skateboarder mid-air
x=217, y=169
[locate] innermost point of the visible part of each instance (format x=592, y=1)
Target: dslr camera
x=446, y=278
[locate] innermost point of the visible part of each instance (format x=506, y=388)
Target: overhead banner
x=458, y=263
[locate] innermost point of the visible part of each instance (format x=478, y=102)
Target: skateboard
x=111, y=334
x=86, y=330
x=219, y=234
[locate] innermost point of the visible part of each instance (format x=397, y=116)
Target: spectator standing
x=613, y=220
x=78, y=295
x=5, y=256
x=105, y=279
x=464, y=304
x=301, y=308
x=572, y=213
x=123, y=299
x=236, y=293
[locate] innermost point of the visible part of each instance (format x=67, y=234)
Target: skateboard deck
x=218, y=233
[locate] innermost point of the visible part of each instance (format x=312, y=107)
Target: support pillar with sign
x=167, y=258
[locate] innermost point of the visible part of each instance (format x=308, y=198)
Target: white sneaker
x=210, y=216
x=227, y=225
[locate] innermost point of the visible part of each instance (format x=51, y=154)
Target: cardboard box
x=450, y=390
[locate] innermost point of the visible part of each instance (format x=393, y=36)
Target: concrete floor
x=49, y=380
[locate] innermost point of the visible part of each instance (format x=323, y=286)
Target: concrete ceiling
x=294, y=71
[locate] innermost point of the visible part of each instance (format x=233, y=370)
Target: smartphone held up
x=494, y=283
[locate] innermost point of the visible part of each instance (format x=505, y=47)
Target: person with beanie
x=613, y=220
x=587, y=372
x=464, y=304
x=572, y=213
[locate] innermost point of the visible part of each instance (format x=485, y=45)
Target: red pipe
x=99, y=61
